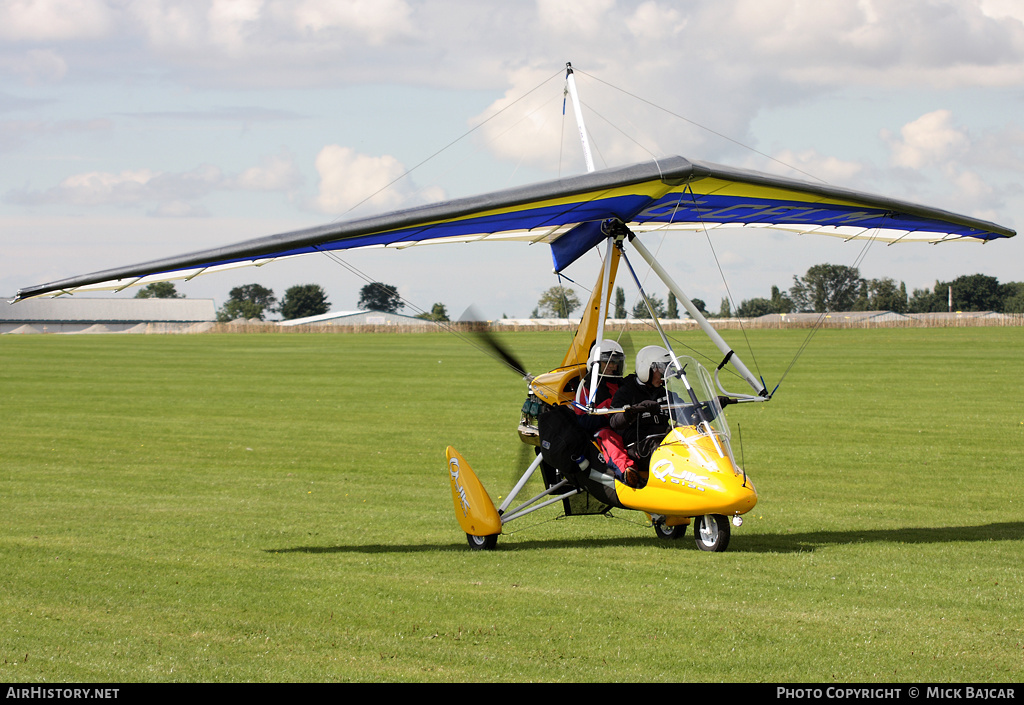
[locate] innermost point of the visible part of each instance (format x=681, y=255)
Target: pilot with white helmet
x=610, y=359
x=611, y=362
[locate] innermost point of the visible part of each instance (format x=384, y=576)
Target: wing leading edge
x=669, y=193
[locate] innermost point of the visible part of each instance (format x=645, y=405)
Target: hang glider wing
x=670, y=193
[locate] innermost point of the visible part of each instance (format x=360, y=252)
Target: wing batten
x=671, y=193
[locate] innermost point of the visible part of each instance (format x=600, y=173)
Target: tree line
x=825, y=287
x=834, y=287
x=255, y=301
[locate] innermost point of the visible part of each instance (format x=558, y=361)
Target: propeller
x=483, y=334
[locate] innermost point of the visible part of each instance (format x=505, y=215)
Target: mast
x=570, y=87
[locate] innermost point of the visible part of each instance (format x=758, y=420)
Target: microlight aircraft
x=693, y=476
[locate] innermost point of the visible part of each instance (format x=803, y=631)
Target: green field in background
x=275, y=507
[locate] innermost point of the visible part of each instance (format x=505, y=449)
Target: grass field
x=275, y=508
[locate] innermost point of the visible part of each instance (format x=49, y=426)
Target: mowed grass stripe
x=276, y=508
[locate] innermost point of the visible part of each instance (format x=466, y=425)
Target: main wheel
x=669, y=533
x=482, y=543
x=712, y=532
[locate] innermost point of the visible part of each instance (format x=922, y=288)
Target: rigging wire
x=523, y=155
x=490, y=141
x=448, y=146
x=620, y=130
x=702, y=127
x=828, y=309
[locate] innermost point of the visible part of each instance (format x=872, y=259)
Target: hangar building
x=107, y=315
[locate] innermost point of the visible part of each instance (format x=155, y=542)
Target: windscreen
x=691, y=395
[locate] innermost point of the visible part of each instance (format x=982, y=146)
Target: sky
x=131, y=131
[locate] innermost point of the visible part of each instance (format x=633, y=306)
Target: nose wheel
x=711, y=532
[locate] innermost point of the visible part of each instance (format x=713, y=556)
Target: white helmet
x=610, y=354
x=649, y=357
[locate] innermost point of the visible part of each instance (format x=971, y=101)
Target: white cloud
x=54, y=20
x=232, y=22
x=973, y=187
x=939, y=43
x=653, y=21
x=165, y=193
x=1001, y=9
x=277, y=173
x=99, y=188
x=376, y=21
x=168, y=26
x=582, y=17
x=943, y=157
x=36, y=66
x=930, y=140
x=348, y=179
x=286, y=35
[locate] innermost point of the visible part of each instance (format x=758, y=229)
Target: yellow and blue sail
x=570, y=215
